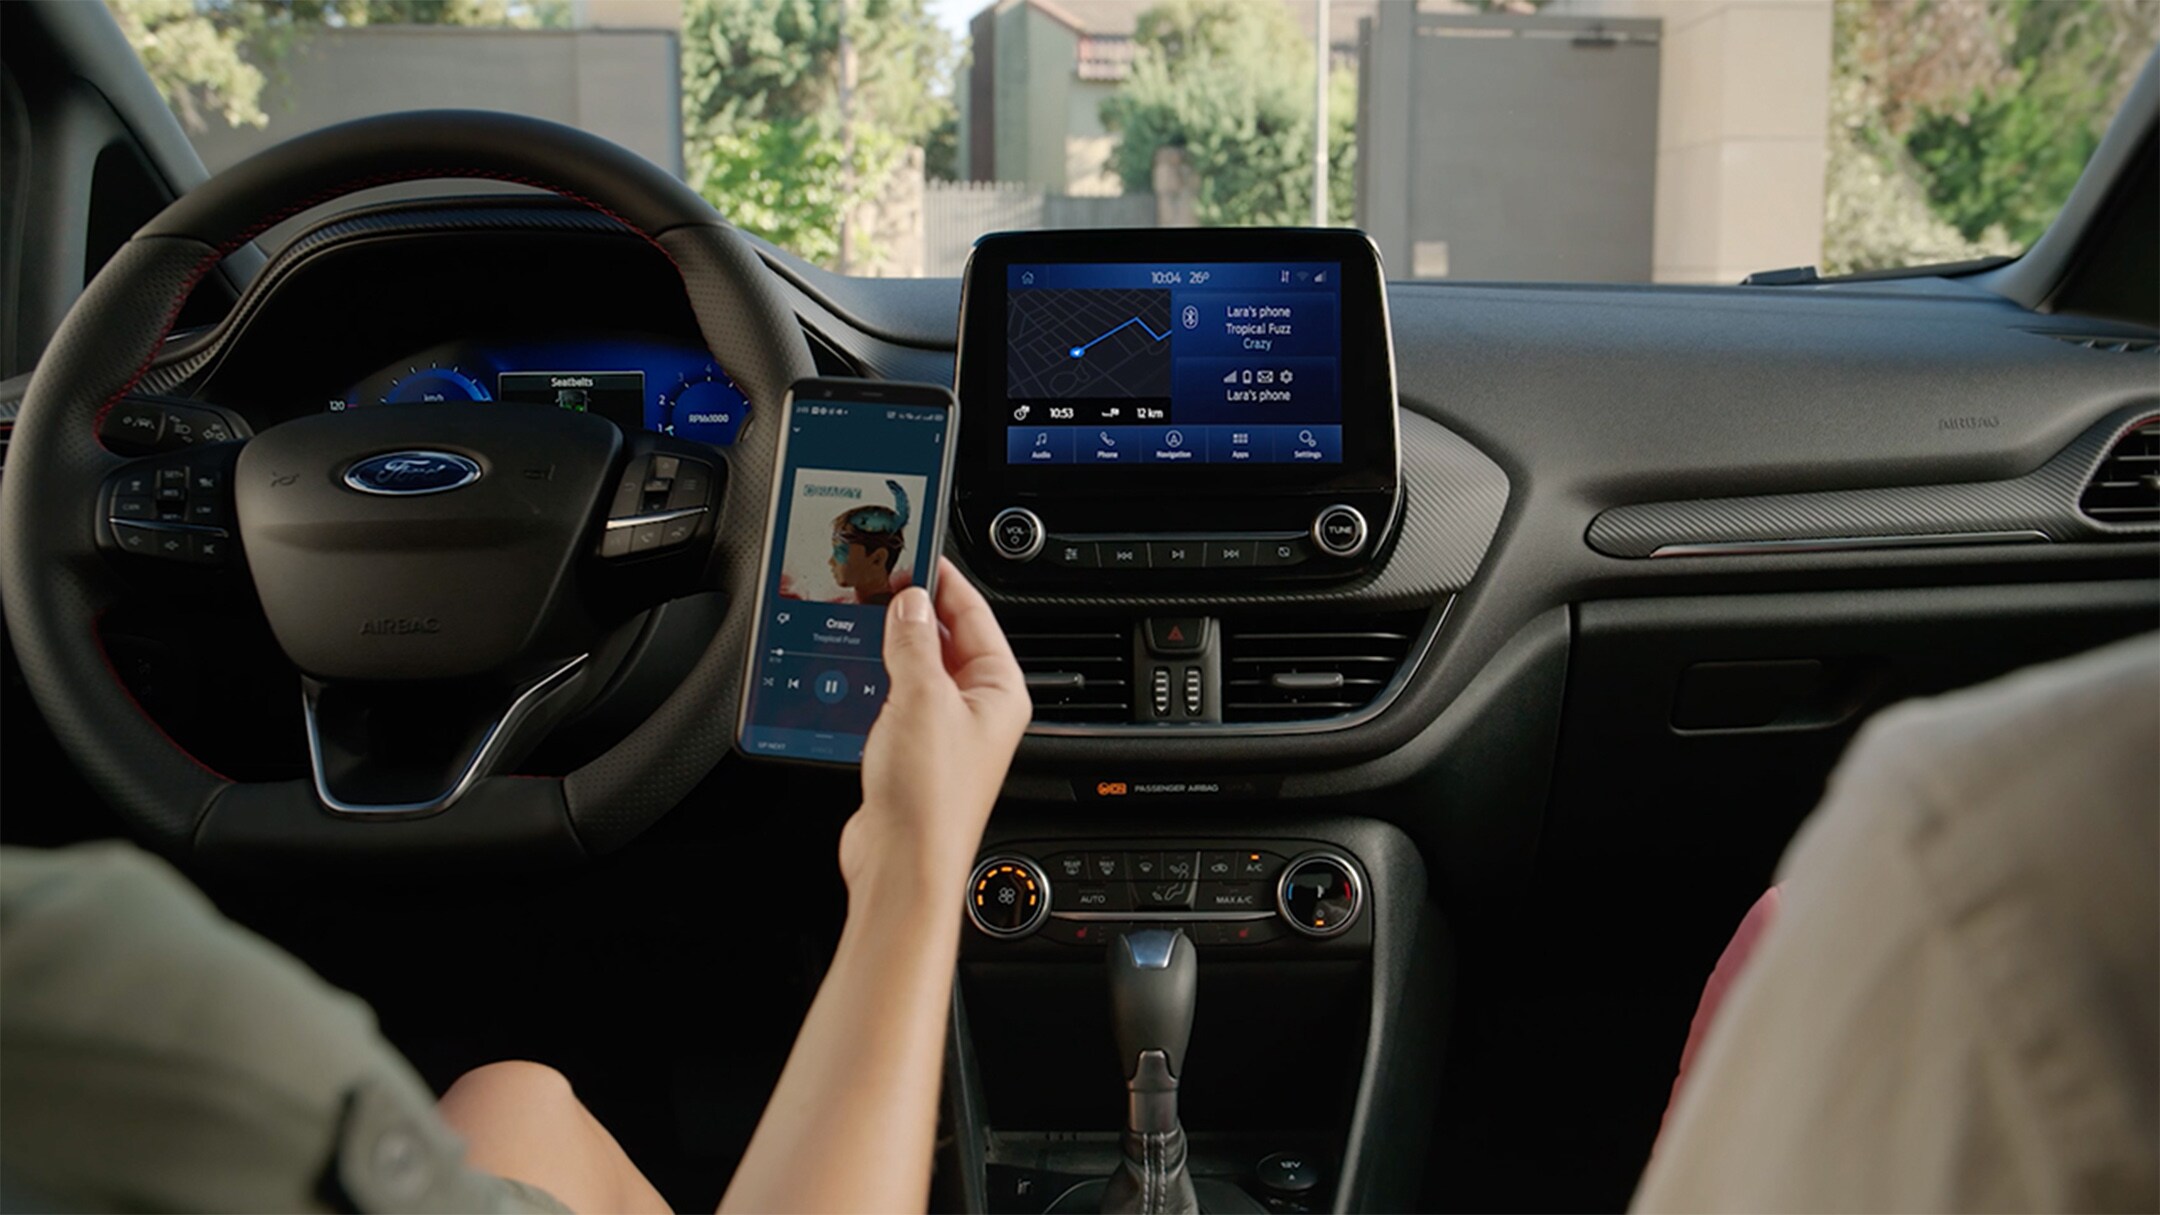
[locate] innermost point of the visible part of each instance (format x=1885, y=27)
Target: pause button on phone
x=830, y=687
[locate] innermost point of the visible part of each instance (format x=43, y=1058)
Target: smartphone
x=858, y=513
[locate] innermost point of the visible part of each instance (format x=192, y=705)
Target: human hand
x=955, y=708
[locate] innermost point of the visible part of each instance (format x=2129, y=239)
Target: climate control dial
x=1008, y=896
x=1320, y=894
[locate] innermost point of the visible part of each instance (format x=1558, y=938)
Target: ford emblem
x=412, y=472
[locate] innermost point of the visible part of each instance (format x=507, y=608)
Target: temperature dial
x=1320, y=893
x=1008, y=896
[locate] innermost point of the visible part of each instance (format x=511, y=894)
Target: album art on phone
x=852, y=537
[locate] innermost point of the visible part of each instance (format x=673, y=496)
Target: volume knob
x=1016, y=534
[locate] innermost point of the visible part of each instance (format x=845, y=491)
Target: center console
x=1287, y=973
x=1172, y=409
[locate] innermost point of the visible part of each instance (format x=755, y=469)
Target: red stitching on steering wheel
x=195, y=274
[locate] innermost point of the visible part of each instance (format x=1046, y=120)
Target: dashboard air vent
x=1078, y=670
x=2113, y=345
x=1301, y=668
x=2126, y=486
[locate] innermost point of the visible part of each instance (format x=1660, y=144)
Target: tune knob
x=1340, y=531
x=1008, y=896
x=1016, y=534
x=1320, y=894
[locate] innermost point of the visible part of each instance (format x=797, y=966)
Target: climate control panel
x=1225, y=893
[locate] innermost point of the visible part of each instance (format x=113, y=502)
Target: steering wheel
x=395, y=593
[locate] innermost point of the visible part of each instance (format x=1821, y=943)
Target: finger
x=913, y=662
x=978, y=649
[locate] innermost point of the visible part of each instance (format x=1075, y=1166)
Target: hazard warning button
x=1177, y=634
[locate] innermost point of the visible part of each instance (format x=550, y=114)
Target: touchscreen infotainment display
x=1165, y=363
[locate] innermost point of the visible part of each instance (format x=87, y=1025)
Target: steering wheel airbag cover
x=373, y=585
x=54, y=585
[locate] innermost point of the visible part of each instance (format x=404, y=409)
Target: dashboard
x=638, y=383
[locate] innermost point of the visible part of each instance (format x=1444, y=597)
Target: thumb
x=913, y=655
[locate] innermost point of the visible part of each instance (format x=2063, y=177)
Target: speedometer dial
x=434, y=382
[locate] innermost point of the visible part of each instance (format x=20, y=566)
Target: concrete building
x=624, y=84
x=1031, y=104
x=1742, y=136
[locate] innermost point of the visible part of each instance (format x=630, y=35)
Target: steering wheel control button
x=1017, y=534
x=136, y=538
x=1320, y=894
x=1339, y=531
x=136, y=424
x=692, y=486
x=173, y=510
x=659, y=503
x=1008, y=896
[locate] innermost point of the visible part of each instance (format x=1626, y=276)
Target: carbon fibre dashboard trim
x=2041, y=504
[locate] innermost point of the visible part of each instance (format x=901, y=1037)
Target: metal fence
x=956, y=212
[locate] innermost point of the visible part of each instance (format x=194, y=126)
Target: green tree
x=211, y=58
x=1958, y=128
x=763, y=132
x=2008, y=156
x=1231, y=83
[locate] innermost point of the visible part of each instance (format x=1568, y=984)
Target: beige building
x=1743, y=128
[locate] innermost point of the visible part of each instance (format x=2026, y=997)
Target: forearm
x=852, y=1124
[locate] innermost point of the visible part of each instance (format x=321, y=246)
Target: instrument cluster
x=637, y=383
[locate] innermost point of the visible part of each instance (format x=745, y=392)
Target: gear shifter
x=1154, y=979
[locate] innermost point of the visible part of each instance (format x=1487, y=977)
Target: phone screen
x=857, y=516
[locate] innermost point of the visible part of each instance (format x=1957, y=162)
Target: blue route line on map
x=1077, y=351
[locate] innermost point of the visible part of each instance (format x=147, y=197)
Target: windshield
x=1521, y=140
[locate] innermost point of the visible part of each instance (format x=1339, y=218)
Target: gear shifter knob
x=1154, y=983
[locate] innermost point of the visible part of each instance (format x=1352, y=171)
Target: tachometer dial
x=703, y=405
x=434, y=382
